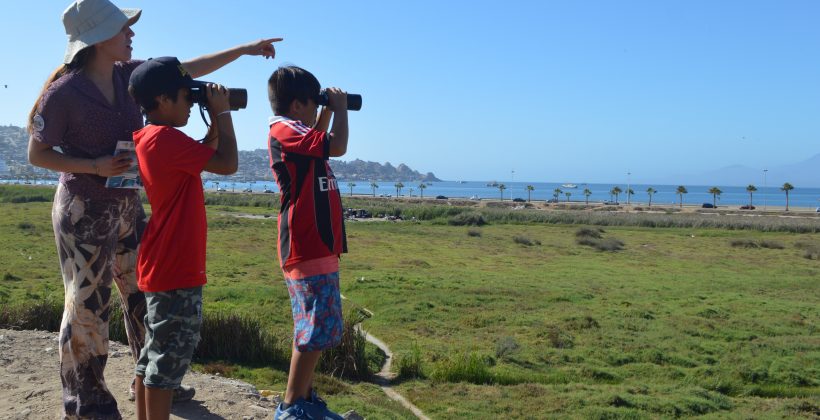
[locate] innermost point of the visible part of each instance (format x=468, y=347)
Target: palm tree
x=616, y=191
x=501, y=188
x=373, y=186
x=629, y=193
x=587, y=193
x=556, y=192
x=410, y=191
x=530, y=189
x=398, y=186
x=650, y=191
x=351, y=185
x=787, y=187
x=422, y=186
x=217, y=185
x=751, y=189
x=567, y=194
x=681, y=190
x=715, y=191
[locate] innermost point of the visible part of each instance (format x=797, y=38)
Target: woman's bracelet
x=95, y=167
x=223, y=113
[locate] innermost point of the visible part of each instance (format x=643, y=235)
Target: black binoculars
x=237, y=99
x=354, y=101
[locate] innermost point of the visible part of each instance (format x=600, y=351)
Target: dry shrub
x=744, y=243
x=523, y=240
x=586, y=232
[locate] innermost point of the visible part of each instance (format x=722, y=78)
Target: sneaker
x=305, y=410
x=184, y=393
x=315, y=399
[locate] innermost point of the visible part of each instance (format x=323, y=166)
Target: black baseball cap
x=158, y=75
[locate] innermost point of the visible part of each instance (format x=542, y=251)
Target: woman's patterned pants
x=97, y=243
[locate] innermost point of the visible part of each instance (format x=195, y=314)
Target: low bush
x=751, y=243
x=602, y=244
x=467, y=219
x=45, y=314
x=505, y=347
x=469, y=367
x=744, y=243
x=523, y=240
x=771, y=244
x=586, y=232
x=474, y=233
x=349, y=358
x=237, y=338
x=409, y=364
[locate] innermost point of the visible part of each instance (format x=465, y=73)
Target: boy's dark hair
x=290, y=83
x=148, y=100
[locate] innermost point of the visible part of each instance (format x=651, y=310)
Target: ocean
x=665, y=195
x=698, y=194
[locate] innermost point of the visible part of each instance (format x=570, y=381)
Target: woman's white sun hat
x=88, y=22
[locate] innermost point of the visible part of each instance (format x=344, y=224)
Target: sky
x=542, y=91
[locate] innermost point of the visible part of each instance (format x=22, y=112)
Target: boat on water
x=569, y=186
x=492, y=184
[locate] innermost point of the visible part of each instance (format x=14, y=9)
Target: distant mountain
x=253, y=164
x=801, y=174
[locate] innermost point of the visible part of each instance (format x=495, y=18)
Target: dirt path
x=30, y=386
x=385, y=376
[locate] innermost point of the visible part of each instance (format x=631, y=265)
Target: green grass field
x=517, y=320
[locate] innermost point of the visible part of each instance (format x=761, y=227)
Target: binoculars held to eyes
x=354, y=101
x=237, y=99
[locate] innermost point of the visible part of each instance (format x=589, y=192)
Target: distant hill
x=14, y=153
x=801, y=174
x=253, y=164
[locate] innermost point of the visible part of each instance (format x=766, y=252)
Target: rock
x=262, y=410
x=49, y=349
x=23, y=414
x=352, y=415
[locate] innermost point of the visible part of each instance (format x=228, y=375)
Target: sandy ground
x=30, y=384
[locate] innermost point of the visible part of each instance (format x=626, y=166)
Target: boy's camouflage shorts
x=171, y=334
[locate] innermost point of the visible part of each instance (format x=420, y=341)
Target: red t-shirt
x=172, y=250
x=311, y=222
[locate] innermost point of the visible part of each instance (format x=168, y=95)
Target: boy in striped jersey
x=311, y=225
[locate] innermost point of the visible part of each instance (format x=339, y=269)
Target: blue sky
x=578, y=91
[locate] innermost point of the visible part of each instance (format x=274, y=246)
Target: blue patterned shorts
x=317, y=311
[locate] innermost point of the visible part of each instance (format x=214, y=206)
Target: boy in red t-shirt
x=311, y=225
x=171, y=259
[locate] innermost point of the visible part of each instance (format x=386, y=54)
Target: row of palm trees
x=399, y=186
x=614, y=192
x=680, y=191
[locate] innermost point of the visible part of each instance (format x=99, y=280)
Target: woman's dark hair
x=81, y=59
x=290, y=83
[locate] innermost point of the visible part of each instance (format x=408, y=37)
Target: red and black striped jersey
x=311, y=220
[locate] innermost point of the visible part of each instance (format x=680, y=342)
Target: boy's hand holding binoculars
x=218, y=99
x=336, y=99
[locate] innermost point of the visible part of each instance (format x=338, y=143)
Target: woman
x=84, y=110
